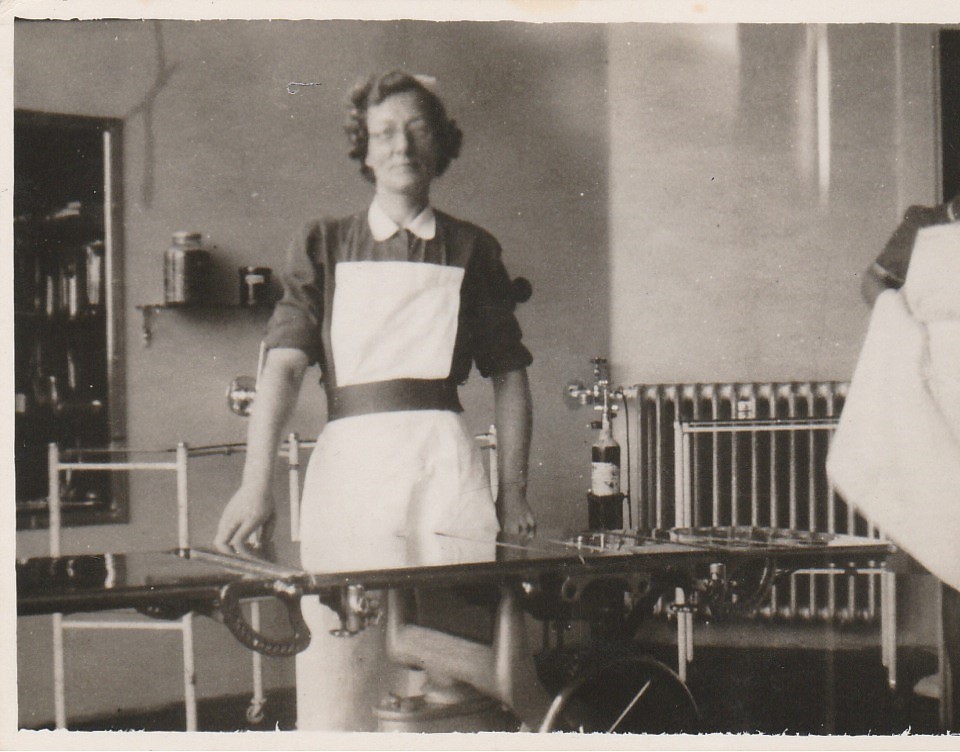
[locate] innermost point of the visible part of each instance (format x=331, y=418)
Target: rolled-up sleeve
x=893, y=262
x=297, y=316
x=494, y=333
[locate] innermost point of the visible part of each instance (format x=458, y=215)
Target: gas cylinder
x=604, y=500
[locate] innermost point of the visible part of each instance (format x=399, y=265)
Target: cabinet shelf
x=60, y=317
x=74, y=230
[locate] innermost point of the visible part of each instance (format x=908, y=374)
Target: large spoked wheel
x=626, y=695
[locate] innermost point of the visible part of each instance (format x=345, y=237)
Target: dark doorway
x=950, y=110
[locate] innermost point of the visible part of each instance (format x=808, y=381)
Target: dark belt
x=392, y=396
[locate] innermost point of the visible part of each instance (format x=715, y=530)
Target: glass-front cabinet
x=67, y=288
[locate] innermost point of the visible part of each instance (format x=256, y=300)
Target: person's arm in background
x=876, y=280
x=889, y=271
x=514, y=421
x=252, y=506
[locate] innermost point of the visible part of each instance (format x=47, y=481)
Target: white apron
x=376, y=482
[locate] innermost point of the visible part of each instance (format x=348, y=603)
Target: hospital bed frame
x=684, y=433
x=59, y=465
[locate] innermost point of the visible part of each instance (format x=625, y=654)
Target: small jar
x=185, y=269
x=254, y=286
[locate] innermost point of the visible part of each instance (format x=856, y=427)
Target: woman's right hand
x=252, y=507
x=248, y=513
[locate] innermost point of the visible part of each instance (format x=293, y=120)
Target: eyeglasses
x=418, y=131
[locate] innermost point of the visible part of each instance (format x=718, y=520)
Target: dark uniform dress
x=892, y=263
x=395, y=318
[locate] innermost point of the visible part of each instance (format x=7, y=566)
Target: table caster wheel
x=255, y=713
x=626, y=695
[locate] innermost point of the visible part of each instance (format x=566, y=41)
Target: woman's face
x=402, y=151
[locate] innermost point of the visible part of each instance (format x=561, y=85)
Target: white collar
x=424, y=225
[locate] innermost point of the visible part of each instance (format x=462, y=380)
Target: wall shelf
x=150, y=310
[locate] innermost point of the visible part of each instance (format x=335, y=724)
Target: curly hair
x=374, y=91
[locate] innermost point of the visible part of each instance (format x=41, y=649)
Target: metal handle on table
x=289, y=595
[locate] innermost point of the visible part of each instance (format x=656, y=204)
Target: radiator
x=738, y=469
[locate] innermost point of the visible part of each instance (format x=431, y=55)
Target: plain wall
x=728, y=263
x=214, y=141
x=654, y=182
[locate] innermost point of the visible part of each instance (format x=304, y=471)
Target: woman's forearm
x=277, y=392
x=514, y=421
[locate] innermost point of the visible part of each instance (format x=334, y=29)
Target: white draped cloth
x=896, y=452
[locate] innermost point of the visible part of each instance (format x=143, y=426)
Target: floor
x=737, y=689
x=810, y=692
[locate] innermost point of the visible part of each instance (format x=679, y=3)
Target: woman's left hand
x=514, y=513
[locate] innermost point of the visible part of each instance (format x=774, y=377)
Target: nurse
x=889, y=271
x=395, y=304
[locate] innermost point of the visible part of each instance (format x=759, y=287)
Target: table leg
x=950, y=659
x=503, y=670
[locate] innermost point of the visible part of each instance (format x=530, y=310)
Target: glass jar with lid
x=186, y=265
